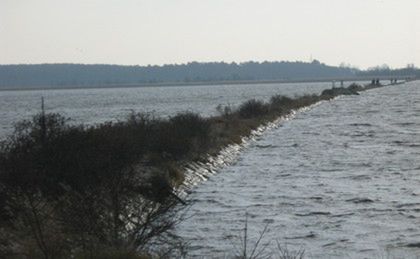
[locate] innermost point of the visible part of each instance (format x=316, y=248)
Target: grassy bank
x=105, y=191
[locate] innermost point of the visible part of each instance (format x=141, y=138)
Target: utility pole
x=43, y=122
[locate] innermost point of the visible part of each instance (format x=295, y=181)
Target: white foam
x=197, y=172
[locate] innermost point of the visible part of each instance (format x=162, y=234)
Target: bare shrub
x=248, y=250
x=253, y=108
x=225, y=111
x=74, y=189
x=283, y=252
x=281, y=100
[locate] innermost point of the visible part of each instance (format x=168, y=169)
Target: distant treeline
x=68, y=75
x=64, y=75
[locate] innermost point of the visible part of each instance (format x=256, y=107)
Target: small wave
x=405, y=143
x=342, y=215
x=311, y=133
x=331, y=170
x=355, y=164
x=405, y=124
x=329, y=244
x=360, y=124
x=310, y=235
x=265, y=146
x=360, y=200
x=408, y=205
x=414, y=145
x=413, y=245
x=268, y=221
x=366, y=250
x=317, y=198
x=361, y=177
x=372, y=111
x=369, y=134
x=314, y=213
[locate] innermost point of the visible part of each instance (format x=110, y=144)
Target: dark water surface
x=341, y=180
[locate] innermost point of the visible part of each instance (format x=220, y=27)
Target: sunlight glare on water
x=341, y=180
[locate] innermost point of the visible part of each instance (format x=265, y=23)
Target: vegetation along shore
x=108, y=191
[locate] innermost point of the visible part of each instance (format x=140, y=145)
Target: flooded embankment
x=339, y=180
x=112, y=183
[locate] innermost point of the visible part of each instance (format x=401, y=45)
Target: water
x=92, y=106
x=341, y=180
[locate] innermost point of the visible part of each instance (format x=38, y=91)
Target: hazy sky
x=360, y=32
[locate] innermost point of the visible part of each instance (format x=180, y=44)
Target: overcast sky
x=363, y=33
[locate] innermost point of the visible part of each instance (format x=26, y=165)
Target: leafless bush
x=283, y=252
x=248, y=250
x=225, y=111
x=253, y=108
x=67, y=190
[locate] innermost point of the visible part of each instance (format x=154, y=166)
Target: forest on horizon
x=79, y=75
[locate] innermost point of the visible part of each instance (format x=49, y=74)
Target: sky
x=363, y=33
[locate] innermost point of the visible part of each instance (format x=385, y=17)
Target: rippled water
x=341, y=180
x=104, y=104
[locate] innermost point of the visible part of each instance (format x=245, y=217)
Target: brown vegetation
x=72, y=191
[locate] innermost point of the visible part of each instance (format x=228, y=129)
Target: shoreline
x=145, y=163
x=317, y=168
x=197, y=172
x=192, y=84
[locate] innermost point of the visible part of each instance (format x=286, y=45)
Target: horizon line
x=350, y=66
